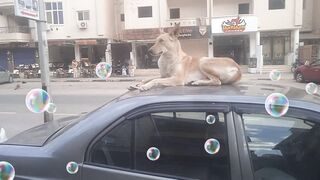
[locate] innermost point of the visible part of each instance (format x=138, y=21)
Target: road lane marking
x=8, y=113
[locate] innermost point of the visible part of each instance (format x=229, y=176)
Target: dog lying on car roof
x=179, y=69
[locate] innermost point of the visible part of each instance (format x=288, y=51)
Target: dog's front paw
x=144, y=88
x=194, y=83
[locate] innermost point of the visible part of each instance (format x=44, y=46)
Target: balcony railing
x=16, y=29
x=202, y=21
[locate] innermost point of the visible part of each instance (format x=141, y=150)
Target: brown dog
x=178, y=69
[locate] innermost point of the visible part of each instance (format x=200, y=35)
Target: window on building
x=180, y=138
x=244, y=8
x=83, y=15
x=122, y=17
x=54, y=12
x=277, y=4
x=175, y=13
x=145, y=11
x=283, y=148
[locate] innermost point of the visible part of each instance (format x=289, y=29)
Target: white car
x=5, y=76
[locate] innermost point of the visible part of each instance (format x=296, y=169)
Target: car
x=209, y=132
x=308, y=72
x=5, y=76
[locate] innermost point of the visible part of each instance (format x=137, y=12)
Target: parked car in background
x=113, y=142
x=308, y=72
x=5, y=76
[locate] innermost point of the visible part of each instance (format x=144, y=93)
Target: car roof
x=229, y=92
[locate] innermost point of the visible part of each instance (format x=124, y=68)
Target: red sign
x=234, y=25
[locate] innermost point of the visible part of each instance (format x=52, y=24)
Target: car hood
x=38, y=135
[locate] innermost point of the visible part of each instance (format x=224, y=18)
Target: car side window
x=180, y=138
x=114, y=148
x=2, y=69
x=283, y=148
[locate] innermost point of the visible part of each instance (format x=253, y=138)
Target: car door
x=176, y=142
x=287, y=147
x=315, y=71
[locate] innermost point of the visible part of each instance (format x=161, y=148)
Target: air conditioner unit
x=82, y=25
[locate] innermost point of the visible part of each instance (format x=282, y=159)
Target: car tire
x=299, y=77
x=10, y=79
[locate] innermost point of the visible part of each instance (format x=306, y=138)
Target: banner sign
x=234, y=24
x=27, y=8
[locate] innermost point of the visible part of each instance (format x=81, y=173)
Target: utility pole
x=43, y=55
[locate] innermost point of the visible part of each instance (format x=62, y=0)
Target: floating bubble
x=153, y=153
x=275, y=75
x=37, y=100
x=212, y=146
x=6, y=171
x=103, y=70
x=312, y=88
x=72, y=167
x=277, y=104
x=211, y=119
x=52, y=108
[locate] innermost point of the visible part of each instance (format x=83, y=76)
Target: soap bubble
x=312, y=88
x=37, y=100
x=275, y=75
x=153, y=153
x=211, y=119
x=52, y=108
x=277, y=104
x=212, y=146
x=103, y=70
x=6, y=171
x=72, y=167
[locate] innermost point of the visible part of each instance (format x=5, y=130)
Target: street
x=71, y=98
x=78, y=98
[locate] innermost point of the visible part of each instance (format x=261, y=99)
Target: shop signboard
x=27, y=8
x=186, y=32
x=238, y=24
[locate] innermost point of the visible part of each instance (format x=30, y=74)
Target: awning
x=307, y=36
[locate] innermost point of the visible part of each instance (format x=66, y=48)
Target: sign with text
x=27, y=8
x=234, y=24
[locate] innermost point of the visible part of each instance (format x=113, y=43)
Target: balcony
x=6, y=3
x=15, y=34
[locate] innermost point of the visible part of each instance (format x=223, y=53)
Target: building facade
x=310, y=31
x=242, y=29
x=79, y=30
x=16, y=43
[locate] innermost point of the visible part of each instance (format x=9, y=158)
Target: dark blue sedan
x=221, y=133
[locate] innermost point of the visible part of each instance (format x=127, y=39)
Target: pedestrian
x=75, y=68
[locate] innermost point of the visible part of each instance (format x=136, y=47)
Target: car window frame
x=171, y=107
x=244, y=108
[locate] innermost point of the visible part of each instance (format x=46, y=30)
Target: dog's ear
x=175, y=32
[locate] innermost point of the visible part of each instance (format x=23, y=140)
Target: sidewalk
x=143, y=74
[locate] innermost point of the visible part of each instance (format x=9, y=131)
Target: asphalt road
x=71, y=99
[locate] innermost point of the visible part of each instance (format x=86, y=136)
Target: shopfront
x=236, y=37
x=276, y=47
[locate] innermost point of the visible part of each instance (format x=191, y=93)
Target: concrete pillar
x=253, y=45
x=134, y=54
x=295, y=45
x=108, y=54
x=77, y=53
